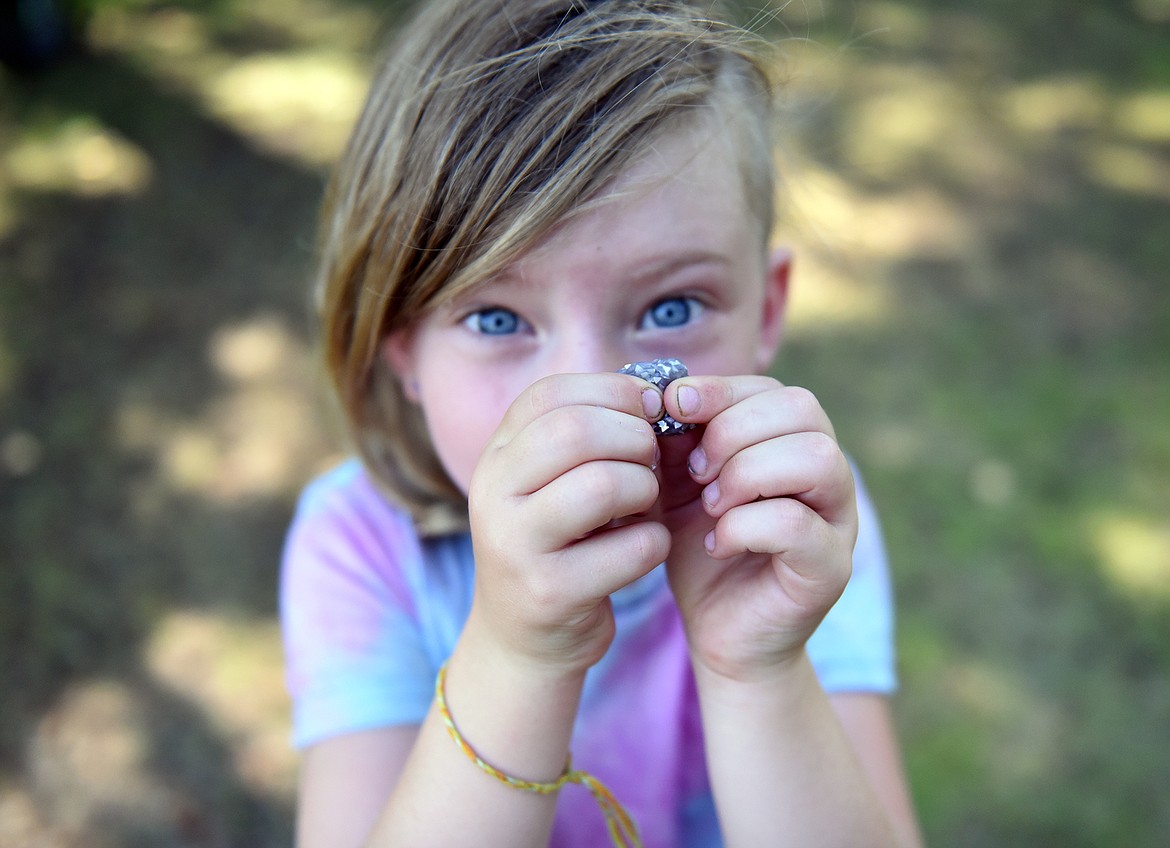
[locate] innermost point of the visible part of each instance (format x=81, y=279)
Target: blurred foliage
x=979, y=197
x=1007, y=402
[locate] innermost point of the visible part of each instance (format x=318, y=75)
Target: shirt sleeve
x=853, y=649
x=353, y=647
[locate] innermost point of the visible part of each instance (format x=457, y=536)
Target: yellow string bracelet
x=621, y=826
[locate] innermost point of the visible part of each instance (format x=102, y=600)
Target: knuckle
x=598, y=484
x=716, y=436
x=803, y=402
x=733, y=475
x=569, y=426
x=615, y=488
x=793, y=519
x=651, y=543
x=544, y=392
x=645, y=488
x=543, y=590
x=770, y=383
x=823, y=451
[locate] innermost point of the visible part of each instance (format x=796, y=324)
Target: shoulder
x=345, y=530
x=345, y=495
x=353, y=611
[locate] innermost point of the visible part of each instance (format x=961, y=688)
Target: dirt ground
x=979, y=199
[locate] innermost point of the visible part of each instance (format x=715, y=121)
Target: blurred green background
x=979, y=198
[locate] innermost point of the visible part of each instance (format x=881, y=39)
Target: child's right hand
x=573, y=454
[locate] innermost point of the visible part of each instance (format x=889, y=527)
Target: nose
x=582, y=351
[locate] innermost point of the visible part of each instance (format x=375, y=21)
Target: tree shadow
x=1021, y=480
x=131, y=763
x=108, y=304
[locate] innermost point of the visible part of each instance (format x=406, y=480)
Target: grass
x=979, y=201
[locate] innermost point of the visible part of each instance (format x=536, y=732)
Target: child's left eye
x=494, y=321
x=671, y=312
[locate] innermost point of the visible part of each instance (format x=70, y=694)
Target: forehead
x=684, y=189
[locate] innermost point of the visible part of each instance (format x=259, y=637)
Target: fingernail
x=657, y=456
x=711, y=493
x=697, y=462
x=652, y=403
x=709, y=542
x=688, y=400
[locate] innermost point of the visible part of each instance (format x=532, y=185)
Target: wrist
x=514, y=667
x=535, y=753
x=785, y=678
x=518, y=715
x=538, y=652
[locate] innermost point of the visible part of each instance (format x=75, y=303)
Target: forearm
x=519, y=719
x=782, y=770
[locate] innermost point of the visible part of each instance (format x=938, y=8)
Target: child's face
x=670, y=264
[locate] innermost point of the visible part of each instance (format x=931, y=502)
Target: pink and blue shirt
x=370, y=611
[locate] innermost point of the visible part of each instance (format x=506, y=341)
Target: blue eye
x=494, y=321
x=671, y=312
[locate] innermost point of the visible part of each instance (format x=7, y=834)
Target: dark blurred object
x=36, y=33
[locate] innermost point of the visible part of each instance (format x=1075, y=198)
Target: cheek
x=461, y=420
x=458, y=446
x=732, y=353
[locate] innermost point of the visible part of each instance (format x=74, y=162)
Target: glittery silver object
x=660, y=372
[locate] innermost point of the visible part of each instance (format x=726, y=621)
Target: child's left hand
x=763, y=517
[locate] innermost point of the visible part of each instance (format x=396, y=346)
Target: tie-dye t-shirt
x=370, y=612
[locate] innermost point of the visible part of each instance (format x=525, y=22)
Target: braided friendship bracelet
x=622, y=831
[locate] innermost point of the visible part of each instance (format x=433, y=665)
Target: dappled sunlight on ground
x=298, y=101
x=232, y=670
x=1144, y=116
x=876, y=226
x=93, y=769
x=1135, y=556
x=985, y=249
x=1129, y=169
x=254, y=438
x=79, y=157
x=89, y=759
x=302, y=105
x=1022, y=732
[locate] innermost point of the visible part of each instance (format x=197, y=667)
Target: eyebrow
x=667, y=265
x=655, y=268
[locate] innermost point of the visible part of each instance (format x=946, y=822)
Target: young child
x=537, y=193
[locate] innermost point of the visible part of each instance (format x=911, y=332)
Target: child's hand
x=763, y=517
x=573, y=454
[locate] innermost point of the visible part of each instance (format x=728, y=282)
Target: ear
x=774, y=307
x=397, y=351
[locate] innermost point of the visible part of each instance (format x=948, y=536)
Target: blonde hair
x=491, y=122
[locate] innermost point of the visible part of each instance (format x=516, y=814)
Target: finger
x=813, y=561
x=570, y=436
x=778, y=411
x=615, y=557
x=589, y=497
x=697, y=400
x=809, y=467
x=619, y=392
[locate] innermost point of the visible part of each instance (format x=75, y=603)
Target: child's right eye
x=493, y=321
